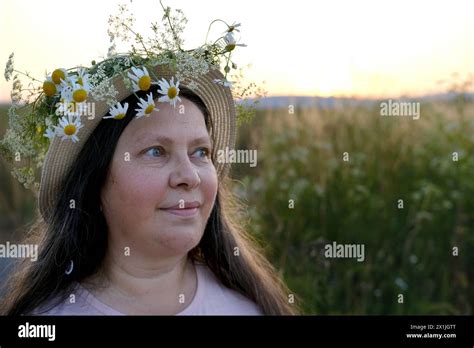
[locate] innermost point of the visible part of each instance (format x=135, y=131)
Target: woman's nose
x=184, y=174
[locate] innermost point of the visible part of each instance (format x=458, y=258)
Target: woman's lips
x=183, y=209
x=183, y=212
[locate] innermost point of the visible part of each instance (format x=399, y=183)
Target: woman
x=136, y=216
x=143, y=223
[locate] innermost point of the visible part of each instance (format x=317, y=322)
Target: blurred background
x=327, y=68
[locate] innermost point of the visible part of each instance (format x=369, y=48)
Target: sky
x=299, y=47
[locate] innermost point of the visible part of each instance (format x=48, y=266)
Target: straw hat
x=61, y=154
x=48, y=128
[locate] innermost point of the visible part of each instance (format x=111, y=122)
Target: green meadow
x=409, y=247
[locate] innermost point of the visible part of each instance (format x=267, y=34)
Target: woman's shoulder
x=76, y=301
x=213, y=298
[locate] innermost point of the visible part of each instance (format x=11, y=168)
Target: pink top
x=211, y=298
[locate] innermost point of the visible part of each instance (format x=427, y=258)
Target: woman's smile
x=184, y=209
x=183, y=212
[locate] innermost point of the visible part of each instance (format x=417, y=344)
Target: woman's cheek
x=209, y=187
x=138, y=189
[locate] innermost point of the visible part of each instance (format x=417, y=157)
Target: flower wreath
x=53, y=107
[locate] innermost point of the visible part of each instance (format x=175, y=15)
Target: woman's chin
x=179, y=240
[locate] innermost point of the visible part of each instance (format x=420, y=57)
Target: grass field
x=16, y=203
x=409, y=251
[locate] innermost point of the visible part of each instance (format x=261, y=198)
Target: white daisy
x=82, y=78
x=59, y=75
x=49, y=122
x=231, y=42
x=66, y=88
x=69, y=127
x=224, y=83
x=118, y=111
x=170, y=91
x=55, y=82
x=79, y=93
x=233, y=27
x=141, y=79
x=50, y=133
x=49, y=87
x=72, y=91
x=146, y=106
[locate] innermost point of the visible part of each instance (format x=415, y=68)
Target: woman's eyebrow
x=143, y=138
x=200, y=140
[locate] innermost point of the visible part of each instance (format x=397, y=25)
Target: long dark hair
x=80, y=234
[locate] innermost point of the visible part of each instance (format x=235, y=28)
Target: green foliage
x=408, y=251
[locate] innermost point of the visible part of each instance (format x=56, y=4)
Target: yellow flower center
x=70, y=129
x=49, y=88
x=57, y=75
x=39, y=129
x=79, y=81
x=119, y=116
x=172, y=92
x=79, y=95
x=149, y=109
x=144, y=83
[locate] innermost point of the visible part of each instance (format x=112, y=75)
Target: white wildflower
x=224, y=83
x=50, y=133
x=118, y=111
x=231, y=43
x=233, y=27
x=169, y=90
x=69, y=127
x=141, y=79
x=146, y=107
x=9, y=67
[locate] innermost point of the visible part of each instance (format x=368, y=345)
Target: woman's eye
x=155, y=152
x=202, y=152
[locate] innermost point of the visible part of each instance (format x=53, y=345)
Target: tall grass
x=16, y=203
x=409, y=251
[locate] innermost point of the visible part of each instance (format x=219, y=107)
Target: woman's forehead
x=148, y=137
x=169, y=125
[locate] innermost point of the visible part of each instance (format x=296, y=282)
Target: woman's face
x=160, y=169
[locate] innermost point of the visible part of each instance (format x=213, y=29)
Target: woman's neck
x=135, y=285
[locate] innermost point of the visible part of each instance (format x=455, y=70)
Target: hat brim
x=61, y=154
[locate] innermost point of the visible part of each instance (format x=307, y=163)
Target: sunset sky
x=298, y=47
